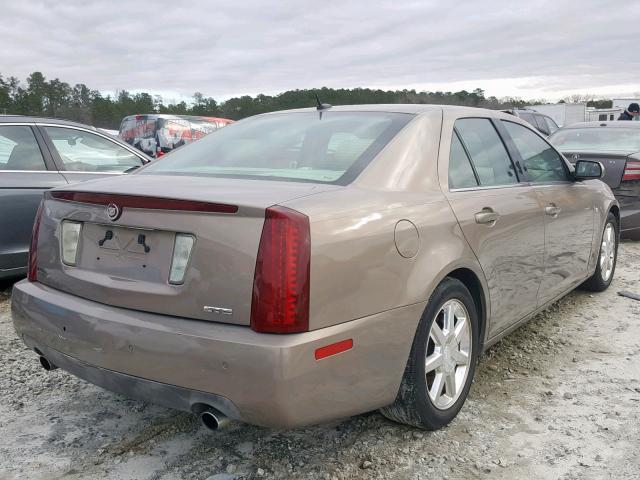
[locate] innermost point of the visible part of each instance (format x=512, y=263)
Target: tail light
x=32, y=272
x=181, y=255
x=280, y=302
x=70, y=240
x=631, y=171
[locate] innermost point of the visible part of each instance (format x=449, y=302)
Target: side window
x=19, y=149
x=551, y=124
x=82, y=151
x=460, y=171
x=541, y=161
x=542, y=125
x=488, y=154
x=527, y=117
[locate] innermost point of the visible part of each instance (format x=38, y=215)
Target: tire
x=414, y=404
x=602, y=277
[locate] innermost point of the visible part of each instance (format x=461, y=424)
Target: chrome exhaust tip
x=46, y=364
x=213, y=420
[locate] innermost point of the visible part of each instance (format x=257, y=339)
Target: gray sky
x=541, y=49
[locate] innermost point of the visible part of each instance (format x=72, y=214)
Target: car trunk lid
x=126, y=260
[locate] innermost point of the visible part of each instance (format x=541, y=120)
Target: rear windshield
x=597, y=138
x=327, y=147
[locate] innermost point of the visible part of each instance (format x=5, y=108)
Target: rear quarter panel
x=356, y=268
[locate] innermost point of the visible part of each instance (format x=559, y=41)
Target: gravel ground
x=559, y=398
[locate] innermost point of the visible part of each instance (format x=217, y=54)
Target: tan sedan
x=301, y=266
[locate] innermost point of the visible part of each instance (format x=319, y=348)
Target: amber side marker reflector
x=334, y=349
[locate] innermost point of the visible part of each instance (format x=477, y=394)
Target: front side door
x=500, y=217
x=568, y=207
x=82, y=155
x=26, y=171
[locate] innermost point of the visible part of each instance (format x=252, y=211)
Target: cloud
x=222, y=49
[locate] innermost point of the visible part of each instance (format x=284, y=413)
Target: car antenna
x=320, y=105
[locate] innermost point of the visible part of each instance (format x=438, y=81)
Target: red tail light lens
x=631, y=171
x=32, y=272
x=280, y=302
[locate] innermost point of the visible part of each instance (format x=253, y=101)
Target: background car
x=157, y=134
x=303, y=266
x=40, y=153
x=543, y=123
x=617, y=146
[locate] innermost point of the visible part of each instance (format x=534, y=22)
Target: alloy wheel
x=607, y=252
x=448, y=355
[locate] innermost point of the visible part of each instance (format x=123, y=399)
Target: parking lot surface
x=559, y=398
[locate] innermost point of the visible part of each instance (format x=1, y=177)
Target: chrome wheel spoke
x=437, y=335
x=461, y=358
x=432, y=362
x=460, y=329
x=435, y=392
x=450, y=384
x=449, y=317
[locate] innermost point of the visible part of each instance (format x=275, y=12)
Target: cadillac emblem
x=113, y=212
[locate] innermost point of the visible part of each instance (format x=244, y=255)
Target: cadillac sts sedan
x=302, y=266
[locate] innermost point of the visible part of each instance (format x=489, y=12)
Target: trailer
x=603, y=114
x=623, y=103
x=563, y=113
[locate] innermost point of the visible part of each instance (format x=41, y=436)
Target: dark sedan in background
x=37, y=154
x=617, y=146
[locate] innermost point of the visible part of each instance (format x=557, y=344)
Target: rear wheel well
x=472, y=282
x=616, y=213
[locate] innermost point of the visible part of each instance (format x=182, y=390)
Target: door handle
x=487, y=216
x=552, y=210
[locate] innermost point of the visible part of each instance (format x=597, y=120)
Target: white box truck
x=563, y=113
x=623, y=103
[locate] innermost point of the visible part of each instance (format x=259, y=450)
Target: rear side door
x=500, y=217
x=83, y=155
x=26, y=171
x=569, y=209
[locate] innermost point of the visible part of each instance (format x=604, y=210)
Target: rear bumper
x=269, y=380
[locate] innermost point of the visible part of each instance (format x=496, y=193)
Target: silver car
x=37, y=154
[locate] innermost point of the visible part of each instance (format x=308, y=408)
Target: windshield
x=328, y=147
x=600, y=138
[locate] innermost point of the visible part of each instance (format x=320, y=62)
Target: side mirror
x=586, y=169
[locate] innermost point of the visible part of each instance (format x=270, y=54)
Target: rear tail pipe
x=213, y=419
x=46, y=364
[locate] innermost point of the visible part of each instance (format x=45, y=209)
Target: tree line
x=58, y=99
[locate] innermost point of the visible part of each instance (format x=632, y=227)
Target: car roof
x=411, y=108
x=29, y=119
x=609, y=124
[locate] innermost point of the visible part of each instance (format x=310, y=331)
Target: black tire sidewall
x=449, y=289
